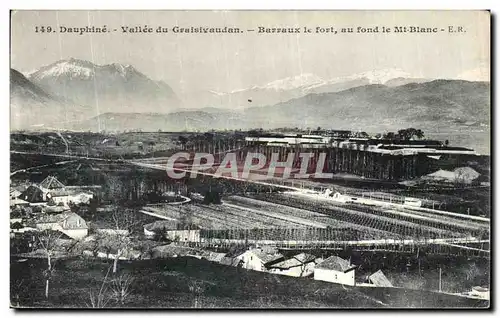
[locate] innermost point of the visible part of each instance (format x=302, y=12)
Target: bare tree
x=18, y=288
x=196, y=288
x=100, y=298
x=123, y=221
x=48, y=242
x=122, y=287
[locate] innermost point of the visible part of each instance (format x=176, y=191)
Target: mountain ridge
x=109, y=87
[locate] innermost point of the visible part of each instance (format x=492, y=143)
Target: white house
x=377, y=279
x=335, y=270
x=183, y=235
x=255, y=259
x=68, y=223
x=300, y=265
x=52, y=189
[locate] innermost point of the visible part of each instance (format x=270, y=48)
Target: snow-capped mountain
x=297, y=86
x=379, y=76
x=111, y=87
x=294, y=82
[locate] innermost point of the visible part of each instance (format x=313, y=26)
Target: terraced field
x=406, y=224
x=303, y=215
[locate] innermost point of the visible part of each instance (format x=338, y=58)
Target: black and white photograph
x=231, y=159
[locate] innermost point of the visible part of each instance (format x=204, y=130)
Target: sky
x=226, y=62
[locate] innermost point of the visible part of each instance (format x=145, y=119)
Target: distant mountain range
x=105, y=88
x=79, y=95
x=433, y=104
x=297, y=86
x=176, y=121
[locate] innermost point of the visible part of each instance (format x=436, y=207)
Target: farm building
x=378, y=279
x=300, y=265
x=214, y=256
x=159, y=227
x=256, y=259
x=52, y=189
x=183, y=235
x=231, y=261
x=336, y=270
x=14, y=193
x=51, y=183
x=68, y=223
x=18, y=202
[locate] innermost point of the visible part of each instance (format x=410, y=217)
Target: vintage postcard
x=250, y=159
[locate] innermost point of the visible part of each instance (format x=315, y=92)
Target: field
x=288, y=211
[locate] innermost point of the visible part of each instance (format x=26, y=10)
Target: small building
x=68, y=223
x=112, y=232
x=51, y=183
x=157, y=228
x=480, y=292
x=14, y=194
x=256, y=259
x=39, y=194
x=18, y=203
x=65, y=197
x=378, y=279
x=231, y=261
x=335, y=270
x=183, y=235
x=34, y=194
x=213, y=256
x=300, y=265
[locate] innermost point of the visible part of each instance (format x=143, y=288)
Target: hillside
x=176, y=121
x=32, y=107
x=170, y=282
x=379, y=107
x=284, y=89
x=105, y=88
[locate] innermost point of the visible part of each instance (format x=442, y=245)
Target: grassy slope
x=165, y=283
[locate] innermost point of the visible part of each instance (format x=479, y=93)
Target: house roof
x=297, y=260
x=62, y=193
x=16, y=201
x=379, y=279
x=51, y=183
x=68, y=220
x=32, y=194
x=56, y=209
x=237, y=251
x=230, y=261
x=52, y=218
x=335, y=263
x=264, y=256
x=214, y=257
x=15, y=193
